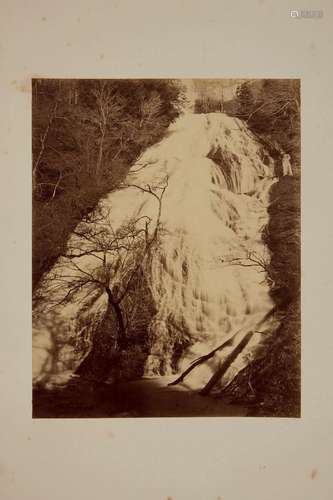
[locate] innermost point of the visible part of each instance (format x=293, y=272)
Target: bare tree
x=271, y=109
x=103, y=260
x=254, y=259
x=150, y=108
x=43, y=140
x=109, y=105
x=261, y=263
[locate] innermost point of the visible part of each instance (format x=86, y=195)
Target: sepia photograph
x=166, y=271
x=166, y=248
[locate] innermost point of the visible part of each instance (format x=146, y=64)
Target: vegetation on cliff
x=270, y=385
x=85, y=135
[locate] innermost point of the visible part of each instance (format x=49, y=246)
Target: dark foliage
x=85, y=135
x=106, y=360
x=270, y=385
x=271, y=109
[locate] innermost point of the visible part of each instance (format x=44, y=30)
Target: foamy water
x=203, y=285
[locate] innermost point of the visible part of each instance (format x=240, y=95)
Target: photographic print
x=166, y=248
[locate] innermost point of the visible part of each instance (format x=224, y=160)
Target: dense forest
x=85, y=135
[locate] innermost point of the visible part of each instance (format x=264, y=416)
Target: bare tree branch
x=43, y=139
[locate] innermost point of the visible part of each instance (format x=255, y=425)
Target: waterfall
x=206, y=275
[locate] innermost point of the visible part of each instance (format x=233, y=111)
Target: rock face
x=206, y=274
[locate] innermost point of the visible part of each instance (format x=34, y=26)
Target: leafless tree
x=108, y=108
x=103, y=260
x=150, y=108
x=251, y=259
x=254, y=259
x=43, y=140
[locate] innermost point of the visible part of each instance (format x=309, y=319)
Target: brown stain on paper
x=24, y=86
x=314, y=474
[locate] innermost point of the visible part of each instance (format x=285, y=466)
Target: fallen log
x=226, y=343
x=202, y=359
x=226, y=364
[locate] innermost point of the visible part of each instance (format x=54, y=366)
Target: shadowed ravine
x=199, y=199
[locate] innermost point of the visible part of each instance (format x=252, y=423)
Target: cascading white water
x=203, y=282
